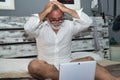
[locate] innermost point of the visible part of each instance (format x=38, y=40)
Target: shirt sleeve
x=32, y=25
x=81, y=24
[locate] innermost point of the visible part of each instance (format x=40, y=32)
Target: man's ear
x=45, y=19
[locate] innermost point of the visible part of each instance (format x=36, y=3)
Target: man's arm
x=33, y=24
x=65, y=9
x=47, y=9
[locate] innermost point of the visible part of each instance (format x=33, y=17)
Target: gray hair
x=55, y=7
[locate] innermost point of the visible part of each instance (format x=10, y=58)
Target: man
x=53, y=36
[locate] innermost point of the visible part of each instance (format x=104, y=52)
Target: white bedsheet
x=13, y=65
x=20, y=65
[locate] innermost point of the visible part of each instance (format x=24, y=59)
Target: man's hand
x=46, y=10
x=48, y=7
x=63, y=8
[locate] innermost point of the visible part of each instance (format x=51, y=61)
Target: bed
x=17, y=68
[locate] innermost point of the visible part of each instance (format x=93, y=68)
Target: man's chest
x=51, y=37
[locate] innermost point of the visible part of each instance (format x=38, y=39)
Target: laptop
x=77, y=70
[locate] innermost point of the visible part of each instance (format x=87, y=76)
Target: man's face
x=55, y=18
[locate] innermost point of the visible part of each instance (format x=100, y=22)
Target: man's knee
x=33, y=66
x=39, y=68
x=89, y=58
x=35, y=69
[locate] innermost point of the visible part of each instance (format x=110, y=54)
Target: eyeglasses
x=52, y=20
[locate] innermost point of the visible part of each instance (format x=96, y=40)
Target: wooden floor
x=18, y=78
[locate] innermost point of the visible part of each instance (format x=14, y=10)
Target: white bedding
x=18, y=67
x=14, y=65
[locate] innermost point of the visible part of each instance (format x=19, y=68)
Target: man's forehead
x=55, y=17
x=58, y=11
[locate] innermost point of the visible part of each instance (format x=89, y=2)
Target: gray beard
x=55, y=27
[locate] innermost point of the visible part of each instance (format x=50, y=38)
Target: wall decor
x=7, y=5
x=73, y=4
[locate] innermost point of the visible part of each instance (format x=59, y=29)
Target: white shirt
x=56, y=48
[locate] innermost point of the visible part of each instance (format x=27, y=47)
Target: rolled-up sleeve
x=83, y=23
x=32, y=25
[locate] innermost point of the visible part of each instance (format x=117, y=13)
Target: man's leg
x=42, y=70
x=101, y=72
